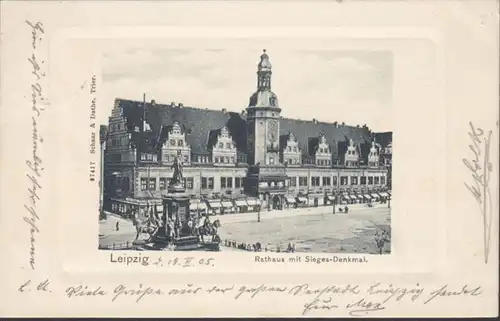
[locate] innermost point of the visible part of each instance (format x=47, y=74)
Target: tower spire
x=264, y=72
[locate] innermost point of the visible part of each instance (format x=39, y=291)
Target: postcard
x=264, y=159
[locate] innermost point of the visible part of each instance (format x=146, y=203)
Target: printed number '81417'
x=92, y=172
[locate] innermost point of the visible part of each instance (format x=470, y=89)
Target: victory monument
x=179, y=229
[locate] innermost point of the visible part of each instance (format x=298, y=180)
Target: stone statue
x=177, y=178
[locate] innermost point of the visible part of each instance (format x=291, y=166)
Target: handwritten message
x=480, y=168
x=350, y=299
x=34, y=163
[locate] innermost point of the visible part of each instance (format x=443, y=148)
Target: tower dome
x=264, y=61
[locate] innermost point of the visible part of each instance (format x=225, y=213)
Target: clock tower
x=263, y=114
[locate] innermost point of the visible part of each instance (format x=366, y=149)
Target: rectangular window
x=382, y=180
x=204, y=182
x=326, y=181
x=152, y=184
x=232, y=159
x=149, y=157
x=211, y=183
x=229, y=182
x=226, y=159
x=377, y=180
x=172, y=142
x=237, y=182
x=180, y=143
x=302, y=181
x=354, y=180
x=228, y=145
x=343, y=180
x=163, y=183
x=221, y=145
x=334, y=180
x=216, y=159
x=271, y=160
x=186, y=159
x=293, y=181
x=189, y=183
x=363, y=180
x=315, y=181
x=222, y=182
x=144, y=184
x=143, y=156
x=370, y=180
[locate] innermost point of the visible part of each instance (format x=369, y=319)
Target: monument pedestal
x=176, y=213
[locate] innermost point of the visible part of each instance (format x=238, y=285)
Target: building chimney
x=153, y=102
x=180, y=105
x=315, y=121
x=224, y=110
x=172, y=104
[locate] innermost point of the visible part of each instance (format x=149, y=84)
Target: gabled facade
x=224, y=152
x=173, y=139
x=291, y=154
x=223, y=149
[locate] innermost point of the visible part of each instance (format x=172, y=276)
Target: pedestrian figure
x=117, y=226
x=346, y=209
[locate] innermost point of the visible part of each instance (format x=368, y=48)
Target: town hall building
x=235, y=162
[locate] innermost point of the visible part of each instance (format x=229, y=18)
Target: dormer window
x=180, y=143
x=172, y=142
x=221, y=145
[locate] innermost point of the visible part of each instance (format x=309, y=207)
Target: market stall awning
x=360, y=196
x=214, y=204
x=290, y=199
x=383, y=194
x=240, y=203
x=375, y=195
x=227, y=204
x=331, y=197
x=302, y=199
x=252, y=201
x=197, y=206
x=367, y=196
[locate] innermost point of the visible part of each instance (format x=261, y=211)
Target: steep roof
x=384, y=138
x=200, y=124
x=304, y=130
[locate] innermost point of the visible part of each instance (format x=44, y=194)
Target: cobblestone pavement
x=318, y=231
x=310, y=229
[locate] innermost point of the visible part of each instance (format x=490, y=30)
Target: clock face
x=272, y=131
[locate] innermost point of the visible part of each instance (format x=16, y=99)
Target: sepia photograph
x=211, y=157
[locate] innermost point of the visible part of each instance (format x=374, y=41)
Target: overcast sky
x=354, y=87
